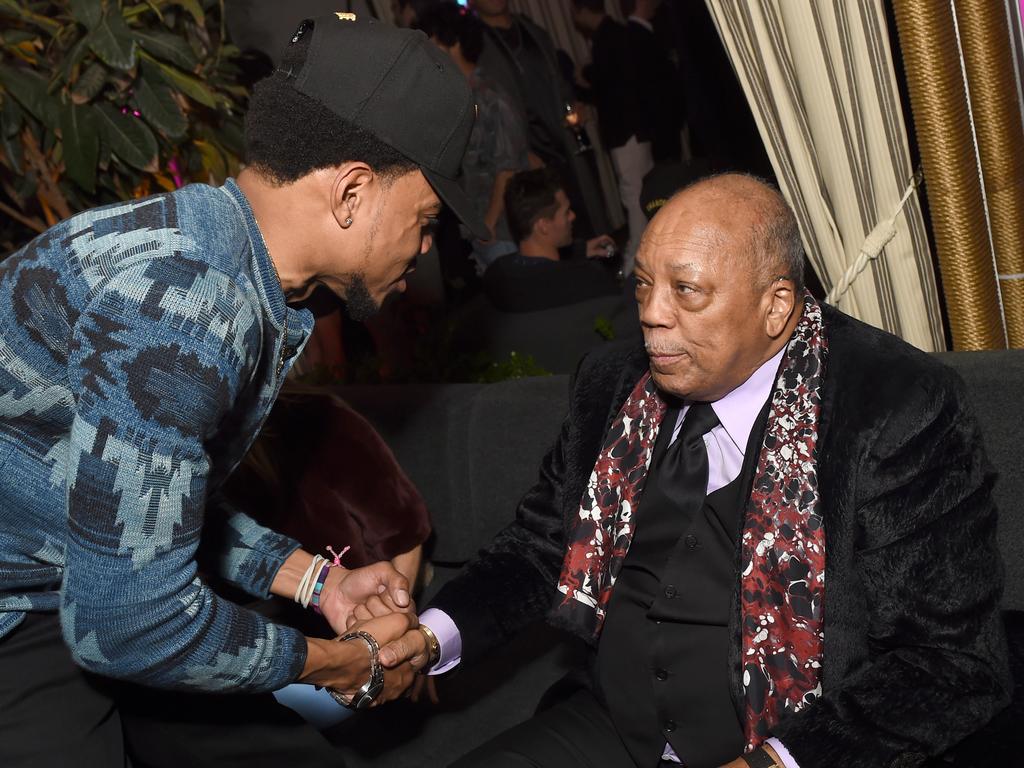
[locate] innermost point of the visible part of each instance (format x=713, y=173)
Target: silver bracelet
x=371, y=689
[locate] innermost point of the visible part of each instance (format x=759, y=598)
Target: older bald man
x=772, y=524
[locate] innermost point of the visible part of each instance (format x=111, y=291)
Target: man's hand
x=373, y=591
x=345, y=666
x=600, y=247
x=409, y=648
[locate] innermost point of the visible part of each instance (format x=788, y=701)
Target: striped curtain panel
x=820, y=82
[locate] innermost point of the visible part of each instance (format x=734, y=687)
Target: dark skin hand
x=345, y=666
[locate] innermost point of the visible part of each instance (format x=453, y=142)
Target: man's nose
x=656, y=309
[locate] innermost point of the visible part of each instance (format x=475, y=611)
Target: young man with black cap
x=141, y=347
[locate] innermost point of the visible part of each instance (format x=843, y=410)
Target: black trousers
x=54, y=714
x=577, y=732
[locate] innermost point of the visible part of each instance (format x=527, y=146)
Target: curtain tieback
x=873, y=244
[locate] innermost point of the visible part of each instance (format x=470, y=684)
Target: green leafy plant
x=103, y=100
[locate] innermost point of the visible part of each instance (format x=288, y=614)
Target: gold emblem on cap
x=345, y=16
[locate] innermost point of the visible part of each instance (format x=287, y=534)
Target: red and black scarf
x=782, y=580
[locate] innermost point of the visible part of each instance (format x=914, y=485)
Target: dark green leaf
x=112, y=41
x=193, y=7
x=103, y=161
x=158, y=107
x=77, y=53
x=13, y=151
x=13, y=37
x=89, y=83
x=190, y=86
x=167, y=46
x=29, y=88
x=11, y=118
x=81, y=139
x=128, y=137
x=232, y=138
x=87, y=12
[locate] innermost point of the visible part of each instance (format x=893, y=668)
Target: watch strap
x=369, y=691
x=760, y=758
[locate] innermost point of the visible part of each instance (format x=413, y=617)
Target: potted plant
x=103, y=100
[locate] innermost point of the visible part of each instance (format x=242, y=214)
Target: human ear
x=351, y=189
x=781, y=305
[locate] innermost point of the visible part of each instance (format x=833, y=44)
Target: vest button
x=661, y=674
x=670, y=591
x=692, y=542
x=670, y=725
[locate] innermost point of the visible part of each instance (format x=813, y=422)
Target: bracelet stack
x=312, y=582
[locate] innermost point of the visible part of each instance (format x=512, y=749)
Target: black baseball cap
x=663, y=181
x=400, y=87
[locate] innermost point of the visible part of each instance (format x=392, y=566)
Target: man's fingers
x=392, y=583
x=361, y=613
x=411, y=646
x=376, y=607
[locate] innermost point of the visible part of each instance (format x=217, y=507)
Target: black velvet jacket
x=915, y=657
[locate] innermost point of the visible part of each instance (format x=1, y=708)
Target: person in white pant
x=611, y=83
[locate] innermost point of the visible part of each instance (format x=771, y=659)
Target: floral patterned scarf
x=782, y=582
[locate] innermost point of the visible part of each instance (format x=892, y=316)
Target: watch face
x=375, y=689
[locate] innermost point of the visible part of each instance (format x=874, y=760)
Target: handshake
x=381, y=646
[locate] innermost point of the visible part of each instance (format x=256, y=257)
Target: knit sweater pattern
x=141, y=347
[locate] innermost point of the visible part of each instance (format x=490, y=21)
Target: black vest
x=661, y=666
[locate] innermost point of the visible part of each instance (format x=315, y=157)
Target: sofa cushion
x=995, y=382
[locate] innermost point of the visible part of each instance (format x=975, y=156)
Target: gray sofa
x=474, y=449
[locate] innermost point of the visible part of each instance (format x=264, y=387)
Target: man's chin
x=670, y=382
x=360, y=305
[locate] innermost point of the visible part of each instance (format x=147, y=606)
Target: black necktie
x=681, y=471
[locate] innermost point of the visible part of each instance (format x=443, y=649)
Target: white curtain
x=820, y=82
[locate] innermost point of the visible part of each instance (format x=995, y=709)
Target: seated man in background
x=702, y=488
x=536, y=276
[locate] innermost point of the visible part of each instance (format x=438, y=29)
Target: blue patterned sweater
x=141, y=347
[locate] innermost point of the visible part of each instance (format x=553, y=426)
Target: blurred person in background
x=611, y=82
x=661, y=99
x=536, y=277
x=497, y=146
x=407, y=13
x=520, y=58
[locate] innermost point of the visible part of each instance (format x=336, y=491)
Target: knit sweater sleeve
x=157, y=358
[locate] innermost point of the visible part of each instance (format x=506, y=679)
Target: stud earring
x=348, y=222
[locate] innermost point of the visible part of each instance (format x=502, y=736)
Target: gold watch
x=433, y=647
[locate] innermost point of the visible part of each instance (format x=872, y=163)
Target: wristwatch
x=433, y=648
x=371, y=689
x=760, y=758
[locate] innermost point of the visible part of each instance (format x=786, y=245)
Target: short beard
x=359, y=304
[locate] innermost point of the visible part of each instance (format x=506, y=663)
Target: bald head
x=750, y=220
x=719, y=282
